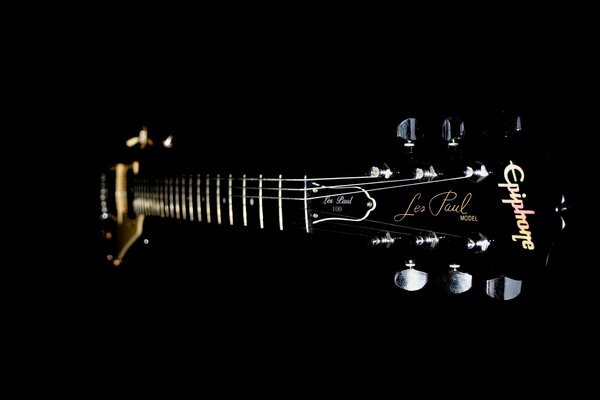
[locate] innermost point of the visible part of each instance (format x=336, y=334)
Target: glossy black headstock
x=474, y=205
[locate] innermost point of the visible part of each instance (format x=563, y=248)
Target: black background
x=310, y=84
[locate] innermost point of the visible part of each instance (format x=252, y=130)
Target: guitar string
x=358, y=191
x=344, y=185
x=395, y=226
x=346, y=193
x=144, y=183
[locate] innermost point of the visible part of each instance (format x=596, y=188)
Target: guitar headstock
x=472, y=206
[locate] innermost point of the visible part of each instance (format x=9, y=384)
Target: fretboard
x=248, y=201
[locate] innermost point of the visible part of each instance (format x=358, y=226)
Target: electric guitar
x=465, y=210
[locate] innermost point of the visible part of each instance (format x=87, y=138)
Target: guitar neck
x=271, y=203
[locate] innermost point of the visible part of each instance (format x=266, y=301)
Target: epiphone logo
x=512, y=175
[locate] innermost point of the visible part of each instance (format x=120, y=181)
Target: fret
x=153, y=197
x=244, y=211
x=230, y=198
x=141, y=195
x=183, y=199
x=218, y=199
x=280, y=205
x=155, y=211
x=306, y=205
x=136, y=198
x=149, y=195
x=165, y=197
x=198, y=198
x=191, y=197
x=140, y=199
x=260, y=202
x=207, y=194
x=161, y=203
x=145, y=195
x=171, y=202
x=177, y=197
x=148, y=198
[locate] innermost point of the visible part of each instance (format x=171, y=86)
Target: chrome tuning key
x=453, y=130
x=503, y=288
x=456, y=282
x=407, y=131
x=410, y=279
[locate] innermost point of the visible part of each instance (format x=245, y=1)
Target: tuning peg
x=456, y=282
x=142, y=139
x=407, y=131
x=410, y=279
x=453, y=130
x=503, y=288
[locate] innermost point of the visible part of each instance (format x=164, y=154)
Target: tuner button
x=456, y=282
x=453, y=130
x=503, y=288
x=407, y=131
x=410, y=279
